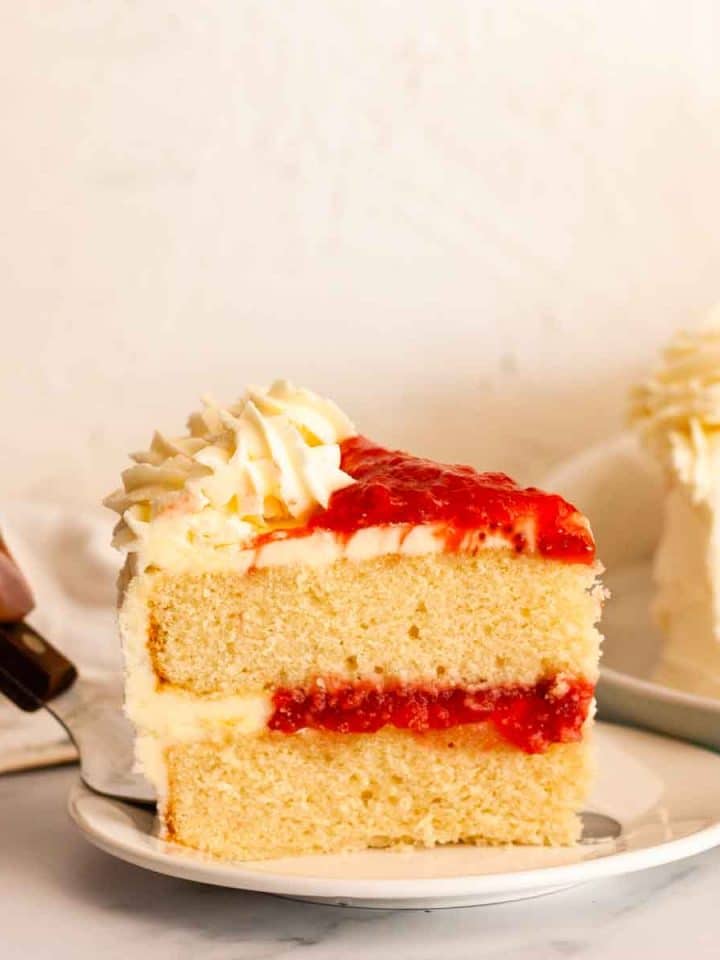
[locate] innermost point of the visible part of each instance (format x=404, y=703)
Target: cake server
x=36, y=675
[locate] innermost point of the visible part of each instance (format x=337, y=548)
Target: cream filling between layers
x=168, y=546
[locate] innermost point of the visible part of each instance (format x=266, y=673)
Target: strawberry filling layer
x=530, y=717
x=396, y=488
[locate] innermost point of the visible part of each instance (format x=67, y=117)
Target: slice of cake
x=332, y=646
x=677, y=414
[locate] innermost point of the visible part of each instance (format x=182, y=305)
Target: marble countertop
x=62, y=898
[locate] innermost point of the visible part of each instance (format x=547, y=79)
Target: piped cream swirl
x=262, y=464
x=677, y=409
x=686, y=386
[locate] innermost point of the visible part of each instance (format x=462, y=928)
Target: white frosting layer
x=687, y=574
x=259, y=465
x=168, y=548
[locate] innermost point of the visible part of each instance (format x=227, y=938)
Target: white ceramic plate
x=620, y=490
x=664, y=794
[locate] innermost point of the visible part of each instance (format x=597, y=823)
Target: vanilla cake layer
x=489, y=619
x=270, y=795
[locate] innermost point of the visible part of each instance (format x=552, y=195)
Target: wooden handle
x=32, y=671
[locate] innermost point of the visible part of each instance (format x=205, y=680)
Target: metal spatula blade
x=91, y=712
x=34, y=675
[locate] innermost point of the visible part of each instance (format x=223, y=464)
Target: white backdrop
x=471, y=222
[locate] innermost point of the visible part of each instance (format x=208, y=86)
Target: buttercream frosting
x=677, y=409
x=259, y=465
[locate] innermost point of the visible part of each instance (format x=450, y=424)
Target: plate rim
x=194, y=866
x=659, y=691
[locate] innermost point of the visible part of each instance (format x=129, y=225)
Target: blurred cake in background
x=677, y=414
